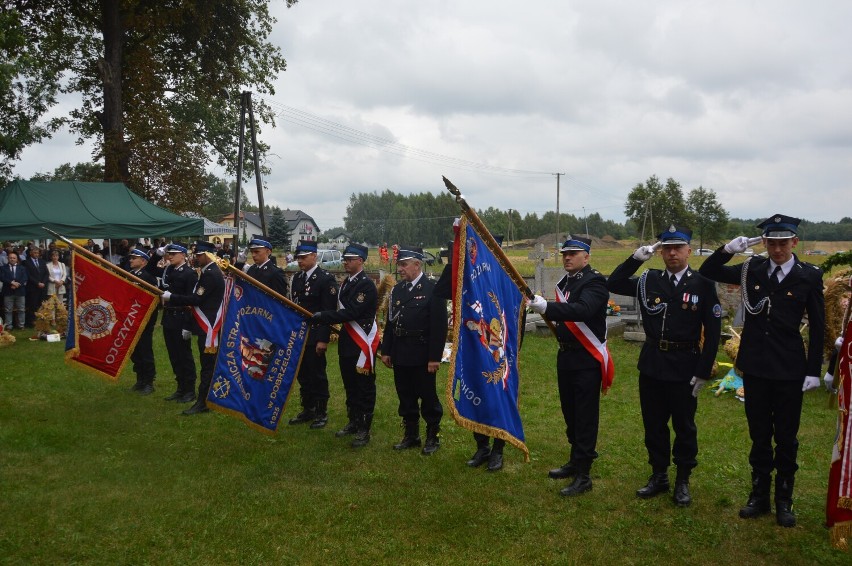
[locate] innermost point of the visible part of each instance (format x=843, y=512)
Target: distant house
x=301, y=225
x=339, y=238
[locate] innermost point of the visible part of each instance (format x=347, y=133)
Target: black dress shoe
x=349, y=428
x=581, y=484
x=784, y=515
x=431, y=446
x=319, y=421
x=657, y=484
x=175, y=396
x=136, y=386
x=186, y=398
x=681, y=495
x=495, y=461
x=479, y=457
x=196, y=409
x=306, y=416
x=563, y=472
x=755, y=507
x=145, y=390
x=407, y=442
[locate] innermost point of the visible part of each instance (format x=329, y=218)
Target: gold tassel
x=840, y=534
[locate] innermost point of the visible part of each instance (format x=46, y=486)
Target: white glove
x=165, y=296
x=537, y=304
x=185, y=334
x=754, y=241
x=811, y=382
x=161, y=251
x=838, y=343
x=737, y=246
x=241, y=257
x=644, y=253
x=697, y=384
x=828, y=380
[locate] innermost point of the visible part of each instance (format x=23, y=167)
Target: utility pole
x=586, y=222
x=558, y=241
x=245, y=105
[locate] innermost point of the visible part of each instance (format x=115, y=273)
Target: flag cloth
x=839, y=502
x=259, y=354
x=483, y=386
x=106, y=317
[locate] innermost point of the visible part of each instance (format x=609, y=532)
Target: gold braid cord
x=836, y=294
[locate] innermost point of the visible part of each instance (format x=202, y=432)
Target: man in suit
x=678, y=307
x=205, y=303
x=357, y=302
x=14, y=279
x=583, y=364
x=776, y=292
x=315, y=289
x=412, y=345
x=179, y=278
x=264, y=269
x=37, y=278
x=143, y=354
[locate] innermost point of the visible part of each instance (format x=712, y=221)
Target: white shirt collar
x=311, y=270
x=678, y=275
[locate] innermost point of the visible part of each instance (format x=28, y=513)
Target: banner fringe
x=840, y=534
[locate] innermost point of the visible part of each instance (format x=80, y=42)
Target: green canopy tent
x=85, y=210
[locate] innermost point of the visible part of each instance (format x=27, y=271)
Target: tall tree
x=654, y=206
x=709, y=217
x=159, y=82
x=28, y=88
x=279, y=233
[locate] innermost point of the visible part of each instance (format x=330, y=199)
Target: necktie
x=35, y=261
x=409, y=286
x=673, y=279
x=775, y=279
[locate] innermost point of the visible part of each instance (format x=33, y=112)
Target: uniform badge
x=657, y=301
x=672, y=228
x=360, y=298
x=397, y=303
x=683, y=306
x=757, y=287
x=199, y=291
x=695, y=307
x=777, y=219
x=717, y=310
x=789, y=294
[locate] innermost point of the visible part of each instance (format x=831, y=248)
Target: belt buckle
x=664, y=345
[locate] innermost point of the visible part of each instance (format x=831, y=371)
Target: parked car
x=703, y=251
x=815, y=252
x=749, y=251
x=327, y=259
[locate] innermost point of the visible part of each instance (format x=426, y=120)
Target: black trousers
x=482, y=442
x=208, y=365
x=360, y=388
x=180, y=356
x=580, y=395
x=312, y=377
x=773, y=408
x=35, y=297
x=415, y=387
x=660, y=401
x=143, y=354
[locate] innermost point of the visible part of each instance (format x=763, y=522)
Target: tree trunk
x=112, y=119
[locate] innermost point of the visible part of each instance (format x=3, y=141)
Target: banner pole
x=489, y=240
x=104, y=263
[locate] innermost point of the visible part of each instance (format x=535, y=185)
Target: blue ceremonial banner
x=483, y=385
x=259, y=353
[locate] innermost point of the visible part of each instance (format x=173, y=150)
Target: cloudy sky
x=751, y=99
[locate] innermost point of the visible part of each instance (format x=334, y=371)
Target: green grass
x=93, y=474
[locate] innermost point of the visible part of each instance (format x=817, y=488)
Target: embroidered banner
x=839, y=501
x=259, y=354
x=483, y=386
x=106, y=316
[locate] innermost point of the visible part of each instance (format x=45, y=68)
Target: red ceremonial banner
x=839, y=502
x=106, y=317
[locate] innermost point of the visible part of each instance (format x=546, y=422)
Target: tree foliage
x=279, y=233
x=159, y=82
x=85, y=172
x=709, y=218
x=653, y=206
x=28, y=88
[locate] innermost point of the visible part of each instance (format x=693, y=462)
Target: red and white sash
x=593, y=346
x=367, y=343
x=211, y=331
